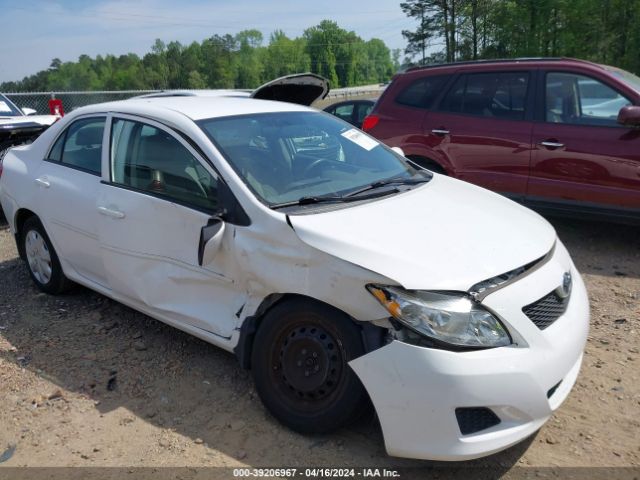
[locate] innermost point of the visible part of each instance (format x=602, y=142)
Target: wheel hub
x=38, y=257
x=309, y=362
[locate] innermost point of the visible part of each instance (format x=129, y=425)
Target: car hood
x=28, y=119
x=301, y=88
x=443, y=235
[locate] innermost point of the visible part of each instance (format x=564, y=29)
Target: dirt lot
x=85, y=381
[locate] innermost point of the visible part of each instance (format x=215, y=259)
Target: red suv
x=560, y=135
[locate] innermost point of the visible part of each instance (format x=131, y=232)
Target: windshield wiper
x=330, y=199
x=389, y=181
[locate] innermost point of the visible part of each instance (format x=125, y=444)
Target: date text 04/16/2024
x=316, y=472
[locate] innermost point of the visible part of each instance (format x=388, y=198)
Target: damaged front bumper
x=426, y=398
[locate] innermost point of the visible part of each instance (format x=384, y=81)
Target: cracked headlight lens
x=446, y=317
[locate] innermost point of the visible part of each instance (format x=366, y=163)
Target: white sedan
x=332, y=267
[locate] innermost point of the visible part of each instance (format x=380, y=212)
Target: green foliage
x=603, y=31
x=229, y=61
x=284, y=56
x=344, y=58
x=429, y=20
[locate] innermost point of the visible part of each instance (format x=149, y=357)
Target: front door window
x=580, y=100
x=151, y=160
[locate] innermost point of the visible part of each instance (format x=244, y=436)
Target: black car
x=352, y=111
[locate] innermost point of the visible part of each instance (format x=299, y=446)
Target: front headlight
x=446, y=317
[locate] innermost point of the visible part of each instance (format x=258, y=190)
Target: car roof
x=194, y=107
x=197, y=93
x=530, y=61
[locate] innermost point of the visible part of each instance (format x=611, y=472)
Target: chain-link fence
x=39, y=101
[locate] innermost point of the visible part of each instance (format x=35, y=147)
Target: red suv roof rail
x=498, y=60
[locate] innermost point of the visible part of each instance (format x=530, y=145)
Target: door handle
x=111, y=213
x=549, y=144
x=440, y=131
x=42, y=182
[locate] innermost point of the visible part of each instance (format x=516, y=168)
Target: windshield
x=629, y=78
x=8, y=109
x=287, y=156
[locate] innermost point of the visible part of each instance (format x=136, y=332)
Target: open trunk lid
x=300, y=88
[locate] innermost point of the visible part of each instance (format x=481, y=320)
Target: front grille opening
x=553, y=389
x=475, y=419
x=547, y=310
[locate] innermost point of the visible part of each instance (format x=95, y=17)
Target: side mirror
x=210, y=241
x=29, y=111
x=398, y=150
x=629, y=116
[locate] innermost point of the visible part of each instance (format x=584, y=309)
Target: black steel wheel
x=300, y=366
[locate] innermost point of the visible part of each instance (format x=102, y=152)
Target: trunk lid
x=300, y=88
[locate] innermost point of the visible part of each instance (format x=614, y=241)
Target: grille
x=547, y=310
x=475, y=419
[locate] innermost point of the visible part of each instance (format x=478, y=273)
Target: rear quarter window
x=422, y=93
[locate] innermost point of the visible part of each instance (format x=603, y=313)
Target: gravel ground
x=85, y=381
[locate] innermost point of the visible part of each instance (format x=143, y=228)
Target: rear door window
x=344, y=112
x=80, y=146
x=491, y=95
x=364, y=109
x=422, y=93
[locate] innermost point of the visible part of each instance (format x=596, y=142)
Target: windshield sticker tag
x=360, y=139
x=4, y=107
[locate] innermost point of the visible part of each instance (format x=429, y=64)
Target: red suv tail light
x=369, y=122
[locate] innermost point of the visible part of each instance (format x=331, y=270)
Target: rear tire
x=42, y=260
x=300, y=366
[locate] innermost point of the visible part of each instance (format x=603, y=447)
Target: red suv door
x=482, y=128
x=403, y=107
x=582, y=157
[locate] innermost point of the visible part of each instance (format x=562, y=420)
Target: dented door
x=152, y=211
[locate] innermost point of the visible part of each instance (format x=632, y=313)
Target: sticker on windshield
x=4, y=107
x=360, y=139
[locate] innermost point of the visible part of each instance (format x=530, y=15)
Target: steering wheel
x=313, y=165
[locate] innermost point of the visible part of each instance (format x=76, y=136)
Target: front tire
x=42, y=260
x=300, y=366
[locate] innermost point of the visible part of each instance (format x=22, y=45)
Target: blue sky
x=33, y=32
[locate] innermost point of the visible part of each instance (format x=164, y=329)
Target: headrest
x=163, y=152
